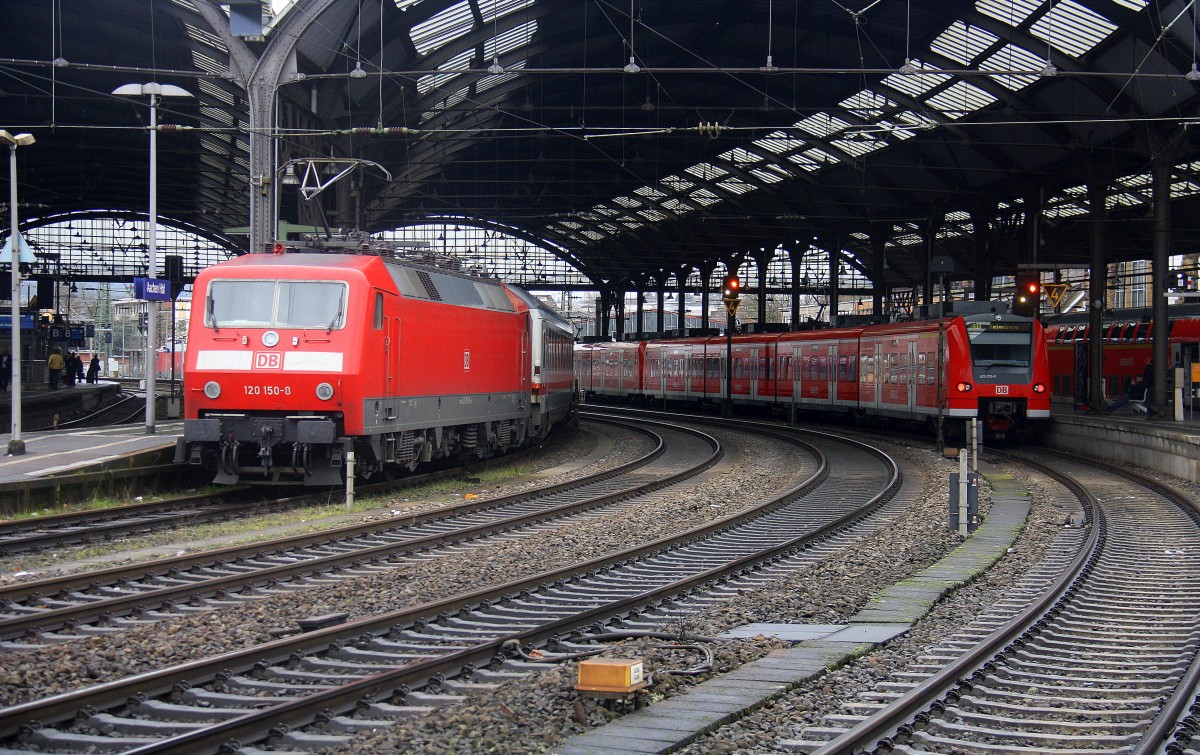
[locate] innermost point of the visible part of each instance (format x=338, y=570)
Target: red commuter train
x=1127, y=348
x=993, y=367
x=293, y=360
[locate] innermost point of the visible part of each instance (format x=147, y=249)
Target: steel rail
x=115, y=693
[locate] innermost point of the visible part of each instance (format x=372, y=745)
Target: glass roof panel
x=629, y=202
x=740, y=157
x=861, y=145
x=442, y=27
x=868, y=105
x=963, y=43
x=804, y=161
x=487, y=82
x=650, y=192
x=652, y=215
x=704, y=197
x=822, y=124
x=490, y=10
x=1013, y=58
x=1134, y=5
x=916, y=84
x=769, y=174
x=677, y=183
x=1072, y=28
x=735, y=185
x=963, y=98
x=510, y=40
x=780, y=143
x=706, y=171
x=677, y=206
x=1011, y=12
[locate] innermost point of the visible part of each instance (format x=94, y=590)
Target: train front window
x=1001, y=344
x=276, y=304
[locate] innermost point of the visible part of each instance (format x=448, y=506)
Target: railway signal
x=1028, y=295
x=731, y=294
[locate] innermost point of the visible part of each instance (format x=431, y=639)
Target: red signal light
x=732, y=285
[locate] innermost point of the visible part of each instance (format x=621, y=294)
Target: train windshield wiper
x=212, y=313
x=335, y=317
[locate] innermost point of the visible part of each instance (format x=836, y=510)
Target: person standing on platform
x=5, y=369
x=77, y=368
x=55, y=364
x=93, y=373
x=68, y=375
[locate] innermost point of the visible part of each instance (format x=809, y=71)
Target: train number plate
x=268, y=390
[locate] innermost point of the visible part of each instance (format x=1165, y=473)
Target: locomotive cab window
x=276, y=304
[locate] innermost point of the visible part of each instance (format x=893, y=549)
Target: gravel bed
x=570, y=453
x=28, y=676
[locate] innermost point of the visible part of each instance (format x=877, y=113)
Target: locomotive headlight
x=1039, y=388
x=964, y=387
x=324, y=391
x=270, y=338
x=212, y=389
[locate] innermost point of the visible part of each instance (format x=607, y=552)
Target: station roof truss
x=632, y=138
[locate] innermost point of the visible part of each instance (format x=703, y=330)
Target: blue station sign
x=152, y=289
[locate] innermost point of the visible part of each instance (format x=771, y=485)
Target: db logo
x=268, y=360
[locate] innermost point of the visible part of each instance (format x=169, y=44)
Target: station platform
x=1158, y=442
x=50, y=452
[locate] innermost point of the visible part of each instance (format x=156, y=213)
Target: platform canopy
x=634, y=137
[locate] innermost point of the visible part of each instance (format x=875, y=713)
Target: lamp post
x=16, y=446
x=154, y=91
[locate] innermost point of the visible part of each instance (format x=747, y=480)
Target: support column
x=619, y=311
x=981, y=224
x=641, y=294
x=681, y=277
x=706, y=270
x=660, y=289
x=1097, y=289
x=797, y=259
x=878, y=266
x=602, y=305
x=1162, y=248
x=762, y=258
x=834, y=248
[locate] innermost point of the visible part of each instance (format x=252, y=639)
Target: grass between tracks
x=213, y=535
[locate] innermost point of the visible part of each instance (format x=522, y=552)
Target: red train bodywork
x=1127, y=348
x=992, y=366
x=294, y=360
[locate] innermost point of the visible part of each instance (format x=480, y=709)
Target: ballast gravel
x=537, y=712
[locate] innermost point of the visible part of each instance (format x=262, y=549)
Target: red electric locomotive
x=992, y=367
x=294, y=360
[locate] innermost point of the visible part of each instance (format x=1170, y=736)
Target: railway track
x=69, y=607
x=1095, y=652
x=323, y=686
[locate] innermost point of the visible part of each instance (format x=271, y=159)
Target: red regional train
x=993, y=367
x=1127, y=348
x=293, y=360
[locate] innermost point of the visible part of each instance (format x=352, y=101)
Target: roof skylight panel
x=868, y=105
x=206, y=38
x=460, y=62
x=704, y=197
x=769, y=174
x=819, y=156
x=442, y=27
x=706, y=171
x=677, y=183
x=740, y=156
x=1072, y=28
x=487, y=82
x=1125, y=199
x=601, y=211
x=609, y=228
x=963, y=98
x=208, y=63
x=593, y=235
x=917, y=84
x=490, y=10
x=1133, y=5
x=510, y=40
x=677, y=206
x=214, y=92
x=650, y=193
x=963, y=43
x=1066, y=210
x=1013, y=58
x=1184, y=188
x=402, y=4
x=804, y=161
x=632, y=225
x=1135, y=181
x=1011, y=12
x=860, y=146
x=735, y=185
x=779, y=143
x=822, y=125
x=570, y=224
x=218, y=115
x=628, y=202
x=652, y=214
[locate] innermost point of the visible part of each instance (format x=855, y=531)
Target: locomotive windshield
x=275, y=304
x=1001, y=344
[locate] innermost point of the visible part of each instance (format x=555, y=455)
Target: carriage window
x=378, y=320
x=904, y=369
